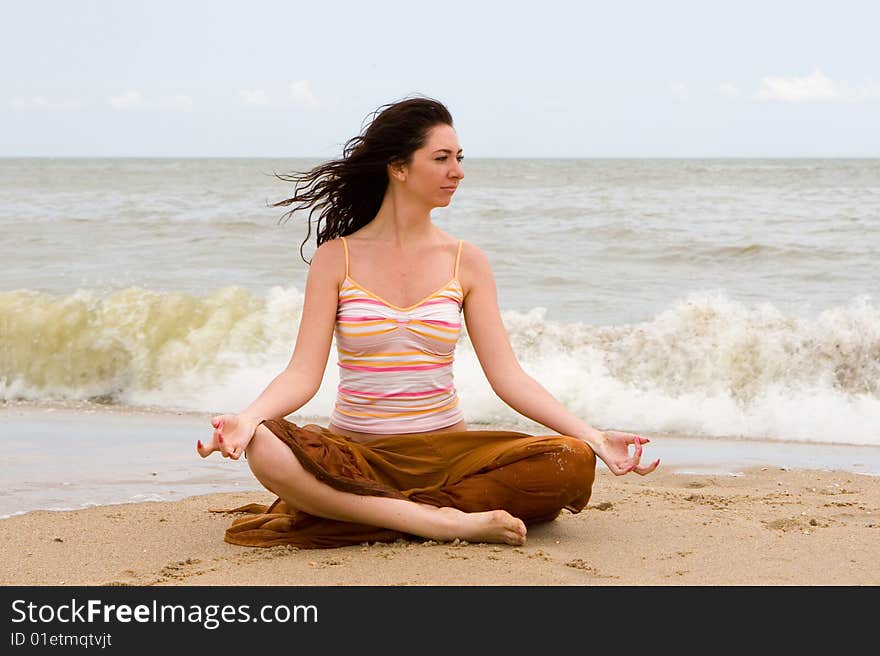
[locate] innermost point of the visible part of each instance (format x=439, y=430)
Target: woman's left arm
x=519, y=390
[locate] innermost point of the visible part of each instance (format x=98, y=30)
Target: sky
x=128, y=78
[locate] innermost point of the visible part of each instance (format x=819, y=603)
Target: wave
x=707, y=365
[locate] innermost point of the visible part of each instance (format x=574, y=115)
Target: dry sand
x=769, y=526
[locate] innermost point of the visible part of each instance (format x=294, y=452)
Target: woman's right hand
x=232, y=434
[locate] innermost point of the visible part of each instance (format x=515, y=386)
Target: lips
x=449, y=188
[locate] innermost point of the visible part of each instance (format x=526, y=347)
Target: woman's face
x=436, y=170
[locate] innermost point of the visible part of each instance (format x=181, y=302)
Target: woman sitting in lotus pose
x=397, y=457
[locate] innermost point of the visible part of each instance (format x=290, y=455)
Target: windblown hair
x=348, y=192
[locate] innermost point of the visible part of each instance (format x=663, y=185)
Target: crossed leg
x=279, y=470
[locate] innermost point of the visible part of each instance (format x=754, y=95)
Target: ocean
x=719, y=299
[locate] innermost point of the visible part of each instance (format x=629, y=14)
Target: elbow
x=504, y=383
x=312, y=390
x=300, y=379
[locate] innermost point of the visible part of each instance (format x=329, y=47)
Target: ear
x=397, y=170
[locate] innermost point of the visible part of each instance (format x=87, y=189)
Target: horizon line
x=469, y=157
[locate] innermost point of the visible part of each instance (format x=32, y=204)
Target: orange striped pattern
x=395, y=364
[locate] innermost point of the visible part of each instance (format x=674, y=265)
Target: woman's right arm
x=300, y=381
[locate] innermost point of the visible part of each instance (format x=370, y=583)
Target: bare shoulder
x=472, y=255
x=474, y=267
x=328, y=262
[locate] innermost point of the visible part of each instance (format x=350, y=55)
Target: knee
x=564, y=479
x=257, y=452
x=577, y=462
x=258, y=445
x=263, y=456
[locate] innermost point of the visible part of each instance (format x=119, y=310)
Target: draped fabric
x=532, y=477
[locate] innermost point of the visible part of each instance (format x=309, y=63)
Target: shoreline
x=79, y=455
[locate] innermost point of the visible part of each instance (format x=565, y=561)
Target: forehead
x=442, y=136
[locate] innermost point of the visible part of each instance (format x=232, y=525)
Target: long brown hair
x=348, y=192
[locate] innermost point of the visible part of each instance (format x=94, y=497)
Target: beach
x=701, y=519
x=699, y=302
x=768, y=526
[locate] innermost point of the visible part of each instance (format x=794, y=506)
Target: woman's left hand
x=613, y=449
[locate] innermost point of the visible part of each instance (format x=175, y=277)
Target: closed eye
x=443, y=159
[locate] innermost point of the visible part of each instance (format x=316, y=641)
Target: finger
x=631, y=438
x=631, y=463
x=621, y=468
x=647, y=469
x=204, y=450
x=637, y=454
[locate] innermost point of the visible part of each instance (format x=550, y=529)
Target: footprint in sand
x=584, y=566
x=182, y=569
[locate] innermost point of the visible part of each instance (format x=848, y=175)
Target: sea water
x=727, y=299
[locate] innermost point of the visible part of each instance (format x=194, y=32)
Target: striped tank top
x=395, y=364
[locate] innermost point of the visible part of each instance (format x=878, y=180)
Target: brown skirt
x=531, y=477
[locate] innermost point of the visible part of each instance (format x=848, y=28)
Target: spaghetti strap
x=458, y=257
x=345, y=246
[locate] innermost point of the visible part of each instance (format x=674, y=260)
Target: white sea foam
x=706, y=365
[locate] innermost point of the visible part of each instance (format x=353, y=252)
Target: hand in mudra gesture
x=232, y=434
x=613, y=449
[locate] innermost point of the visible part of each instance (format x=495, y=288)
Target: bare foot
x=489, y=526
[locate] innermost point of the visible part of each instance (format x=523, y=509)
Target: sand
x=767, y=526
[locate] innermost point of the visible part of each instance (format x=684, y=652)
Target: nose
x=458, y=172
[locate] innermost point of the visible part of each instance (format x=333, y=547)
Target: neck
x=401, y=222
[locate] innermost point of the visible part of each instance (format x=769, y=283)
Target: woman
x=397, y=457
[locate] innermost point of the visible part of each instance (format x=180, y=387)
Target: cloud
x=127, y=100
x=39, y=103
x=299, y=91
x=816, y=87
x=728, y=90
x=136, y=99
x=254, y=97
